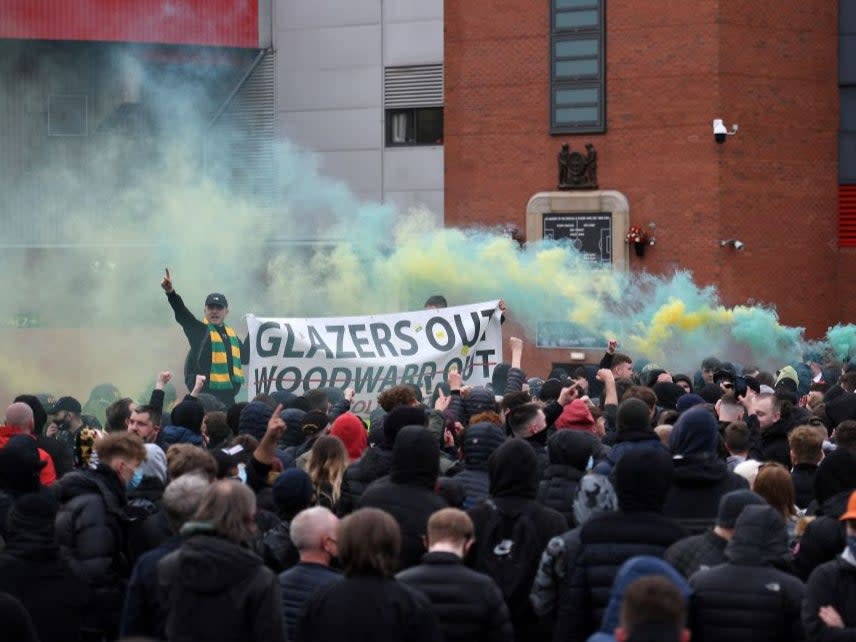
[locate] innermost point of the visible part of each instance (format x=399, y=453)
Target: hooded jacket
x=747, y=598
x=824, y=538
x=634, y=433
x=408, y=493
x=831, y=584
x=480, y=441
x=48, y=475
x=513, y=485
x=229, y=584
x=595, y=495
x=90, y=530
x=700, y=478
x=642, y=480
x=568, y=452
x=32, y=569
x=633, y=569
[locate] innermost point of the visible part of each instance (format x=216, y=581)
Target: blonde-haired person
x=328, y=460
x=90, y=529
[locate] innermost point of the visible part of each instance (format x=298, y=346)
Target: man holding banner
x=372, y=353
x=215, y=350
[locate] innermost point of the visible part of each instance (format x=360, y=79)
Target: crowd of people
x=626, y=502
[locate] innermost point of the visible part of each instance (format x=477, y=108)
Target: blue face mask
x=851, y=544
x=135, y=480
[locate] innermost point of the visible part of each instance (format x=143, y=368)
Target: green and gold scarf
x=219, y=379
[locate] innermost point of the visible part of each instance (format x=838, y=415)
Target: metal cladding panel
x=220, y=23
x=847, y=216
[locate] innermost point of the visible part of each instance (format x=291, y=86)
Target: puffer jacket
x=408, y=493
x=747, y=598
x=239, y=596
x=297, y=585
x=91, y=532
x=479, y=442
x=468, y=605
x=642, y=479
x=374, y=464
x=568, y=452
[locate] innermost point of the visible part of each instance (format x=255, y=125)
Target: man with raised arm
x=215, y=350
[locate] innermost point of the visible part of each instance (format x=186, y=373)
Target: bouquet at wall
x=636, y=235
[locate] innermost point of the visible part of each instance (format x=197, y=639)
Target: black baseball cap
x=216, y=299
x=69, y=404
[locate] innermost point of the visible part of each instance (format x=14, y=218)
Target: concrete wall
x=329, y=98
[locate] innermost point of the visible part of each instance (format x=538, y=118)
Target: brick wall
x=671, y=67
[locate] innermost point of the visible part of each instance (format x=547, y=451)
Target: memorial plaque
x=590, y=233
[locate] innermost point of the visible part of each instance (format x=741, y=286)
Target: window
x=414, y=126
x=576, y=67
x=413, y=99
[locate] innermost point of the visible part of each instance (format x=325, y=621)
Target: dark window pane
x=848, y=109
x=429, y=126
x=577, y=96
x=576, y=19
x=576, y=47
x=575, y=68
x=570, y=115
x=575, y=4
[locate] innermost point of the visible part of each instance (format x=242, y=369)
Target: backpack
x=509, y=551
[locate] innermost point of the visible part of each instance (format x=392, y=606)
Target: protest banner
x=372, y=353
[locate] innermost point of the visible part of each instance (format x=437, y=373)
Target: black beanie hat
x=189, y=414
x=732, y=504
x=633, y=414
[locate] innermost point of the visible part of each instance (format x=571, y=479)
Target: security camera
x=735, y=243
x=720, y=132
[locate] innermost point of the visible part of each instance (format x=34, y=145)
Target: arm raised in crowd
x=516, y=377
x=261, y=463
x=157, y=396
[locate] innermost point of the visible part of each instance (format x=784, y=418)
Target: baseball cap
x=69, y=404
x=215, y=298
x=851, y=508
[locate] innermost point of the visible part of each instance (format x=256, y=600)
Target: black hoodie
x=213, y=589
x=408, y=493
x=568, y=452
x=747, y=598
x=513, y=483
x=642, y=479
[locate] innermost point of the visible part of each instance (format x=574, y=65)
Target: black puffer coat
x=568, y=452
x=91, y=532
x=642, y=478
x=468, y=605
x=374, y=464
x=408, y=494
x=747, y=598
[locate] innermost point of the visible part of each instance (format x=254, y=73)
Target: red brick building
x=668, y=69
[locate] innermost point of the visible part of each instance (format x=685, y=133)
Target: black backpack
x=509, y=552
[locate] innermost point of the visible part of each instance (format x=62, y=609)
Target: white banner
x=372, y=353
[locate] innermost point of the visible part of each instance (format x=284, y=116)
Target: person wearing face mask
x=314, y=532
x=829, y=608
x=215, y=350
x=91, y=527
